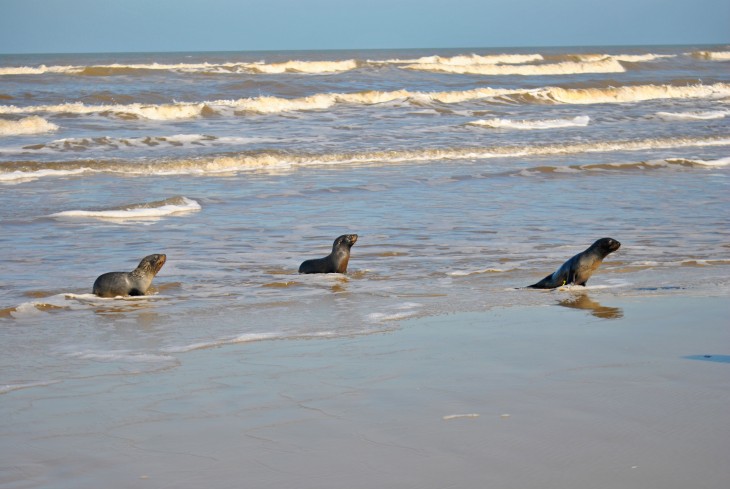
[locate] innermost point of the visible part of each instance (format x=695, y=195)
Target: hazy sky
x=42, y=26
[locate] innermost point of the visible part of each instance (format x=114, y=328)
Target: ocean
x=466, y=173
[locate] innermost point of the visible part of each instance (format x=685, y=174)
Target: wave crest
x=258, y=161
x=28, y=125
x=712, y=55
x=693, y=116
x=145, y=210
x=627, y=94
x=579, y=121
x=323, y=101
x=564, y=68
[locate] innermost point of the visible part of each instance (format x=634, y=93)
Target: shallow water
x=462, y=185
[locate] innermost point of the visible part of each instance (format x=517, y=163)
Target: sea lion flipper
x=545, y=283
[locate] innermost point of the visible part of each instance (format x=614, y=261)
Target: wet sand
x=606, y=392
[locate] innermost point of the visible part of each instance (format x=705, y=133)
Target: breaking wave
x=712, y=55
x=468, y=59
x=309, y=67
x=323, y=101
x=608, y=65
x=27, y=125
x=626, y=94
x=579, y=121
x=14, y=172
x=150, y=210
x=336, y=66
x=145, y=142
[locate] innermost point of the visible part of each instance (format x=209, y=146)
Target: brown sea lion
x=335, y=262
x=579, y=269
x=136, y=282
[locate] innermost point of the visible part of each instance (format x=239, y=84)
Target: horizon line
x=361, y=49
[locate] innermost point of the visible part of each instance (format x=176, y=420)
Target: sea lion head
x=346, y=240
x=152, y=263
x=606, y=245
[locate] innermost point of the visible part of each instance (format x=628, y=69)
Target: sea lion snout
x=346, y=239
x=607, y=245
x=153, y=262
x=161, y=259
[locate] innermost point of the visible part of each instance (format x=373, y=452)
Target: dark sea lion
x=335, y=262
x=135, y=282
x=579, y=269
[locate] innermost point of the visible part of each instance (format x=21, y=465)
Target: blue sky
x=42, y=26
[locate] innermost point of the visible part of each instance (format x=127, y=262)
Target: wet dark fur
x=579, y=269
x=335, y=262
x=136, y=282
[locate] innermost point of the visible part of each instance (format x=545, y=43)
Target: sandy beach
x=624, y=393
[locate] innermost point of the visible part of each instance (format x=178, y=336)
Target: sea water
x=466, y=173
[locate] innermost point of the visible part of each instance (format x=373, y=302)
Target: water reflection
x=582, y=301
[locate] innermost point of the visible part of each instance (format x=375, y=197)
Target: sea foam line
x=579, y=121
x=279, y=161
x=608, y=65
x=331, y=66
x=323, y=101
x=152, y=210
x=693, y=116
x=294, y=66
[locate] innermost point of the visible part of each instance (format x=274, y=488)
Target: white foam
x=35, y=308
x=28, y=125
x=578, y=121
x=27, y=176
x=640, y=58
x=323, y=101
x=469, y=59
x=466, y=273
x=4, y=389
x=628, y=94
x=713, y=163
x=286, y=162
x=311, y=67
x=713, y=55
x=630, y=58
x=244, y=338
x=564, y=68
x=402, y=311
x=327, y=66
x=694, y=115
x=169, y=207
x=122, y=356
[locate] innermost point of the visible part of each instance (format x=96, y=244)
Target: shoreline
x=518, y=397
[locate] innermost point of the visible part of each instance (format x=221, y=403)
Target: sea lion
x=135, y=282
x=335, y=262
x=579, y=269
